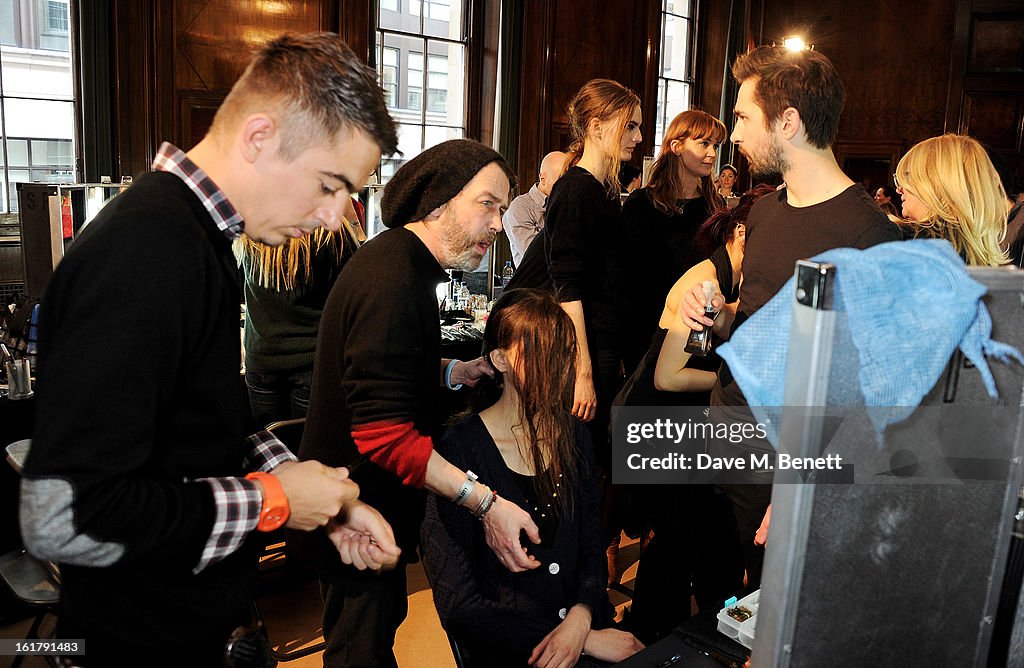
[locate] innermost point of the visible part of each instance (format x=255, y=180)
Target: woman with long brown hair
x=522, y=438
x=660, y=220
x=577, y=255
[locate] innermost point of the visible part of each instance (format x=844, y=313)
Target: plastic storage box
x=741, y=632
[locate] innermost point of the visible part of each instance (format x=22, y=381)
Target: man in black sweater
x=136, y=481
x=787, y=116
x=377, y=383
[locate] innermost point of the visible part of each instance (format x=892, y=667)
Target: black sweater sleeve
x=593, y=565
x=569, y=211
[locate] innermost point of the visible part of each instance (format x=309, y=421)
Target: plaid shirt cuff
x=266, y=452
x=238, y=503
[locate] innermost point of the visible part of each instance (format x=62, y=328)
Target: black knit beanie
x=432, y=178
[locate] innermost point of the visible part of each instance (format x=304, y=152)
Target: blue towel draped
x=908, y=305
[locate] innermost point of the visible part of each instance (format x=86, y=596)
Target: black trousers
x=749, y=503
x=362, y=612
x=695, y=551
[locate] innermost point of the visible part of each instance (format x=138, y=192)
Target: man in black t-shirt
x=787, y=116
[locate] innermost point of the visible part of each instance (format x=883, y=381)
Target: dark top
x=779, y=234
x=639, y=389
x=577, y=255
x=481, y=603
x=138, y=396
x=378, y=359
x=281, y=325
x=660, y=248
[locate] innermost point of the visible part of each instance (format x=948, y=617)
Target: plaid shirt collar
x=172, y=159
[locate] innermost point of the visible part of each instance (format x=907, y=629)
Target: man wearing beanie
x=378, y=379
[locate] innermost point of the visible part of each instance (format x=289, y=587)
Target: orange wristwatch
x=275, y=510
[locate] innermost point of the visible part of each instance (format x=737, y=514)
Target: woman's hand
x=502, y=525
x=584, y=398
x=611, y=645
x=562, y=647
x=761, y=536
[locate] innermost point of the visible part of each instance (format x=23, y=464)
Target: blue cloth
x=908, y=305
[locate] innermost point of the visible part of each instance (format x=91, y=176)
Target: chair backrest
x=289, y=431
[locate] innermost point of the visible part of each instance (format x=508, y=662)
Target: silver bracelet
x=466, y=489
x=486, y=504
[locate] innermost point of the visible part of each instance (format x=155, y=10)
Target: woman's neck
x=689, y=185
x=594, y=161
x=502, y=420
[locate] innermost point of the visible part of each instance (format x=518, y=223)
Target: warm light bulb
x=795, y=43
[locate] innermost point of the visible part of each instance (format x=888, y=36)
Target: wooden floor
x=292, y=617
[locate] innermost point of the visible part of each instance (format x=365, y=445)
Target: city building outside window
x=37, y=123
x=675, y=76
x=423, y=65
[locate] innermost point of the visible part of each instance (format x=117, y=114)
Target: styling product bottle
x=699, y=343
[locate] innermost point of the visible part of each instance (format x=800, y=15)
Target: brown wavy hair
x=602, y=99
x=532, y=322
x=666, y=178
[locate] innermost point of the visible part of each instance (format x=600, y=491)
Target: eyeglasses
x=896, y=182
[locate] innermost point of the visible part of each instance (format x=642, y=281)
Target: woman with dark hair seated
x=522, y=438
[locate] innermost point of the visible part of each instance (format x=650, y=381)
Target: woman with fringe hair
x=521, y=436
x=660, y=220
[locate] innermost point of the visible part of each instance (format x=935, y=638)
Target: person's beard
x=770, y=162
x=458, y=248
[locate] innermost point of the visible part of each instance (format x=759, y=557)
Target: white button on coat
x=553, y=568
x=562, y=613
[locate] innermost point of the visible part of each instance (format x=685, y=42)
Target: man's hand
x=315, y=492
x=502, y=525
x=691, y=308
x=761, y=536
x=562, y=647
x=584, y=398
x=470, y=373
x=364, y=538
x=611, y=645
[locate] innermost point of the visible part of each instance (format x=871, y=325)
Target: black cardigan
x=482, y=603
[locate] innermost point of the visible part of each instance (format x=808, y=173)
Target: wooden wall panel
x=175, y=60
x=565, y=44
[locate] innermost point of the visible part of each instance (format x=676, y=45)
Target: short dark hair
x=320, y=87
x=804, y=80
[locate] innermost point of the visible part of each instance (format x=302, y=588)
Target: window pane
x=410, y=140
x=659, y=119
x=435, y=135
x=17, y=152
x=677, y=99
x=389, y=5
x=443, y=18
x=446, y=84
x=40, y=118
x=681, y=7
x=675, y=48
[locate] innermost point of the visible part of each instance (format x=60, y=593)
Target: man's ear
x=258, y=131
x=790, y=123
x=435, y=214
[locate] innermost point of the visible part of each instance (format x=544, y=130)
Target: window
x=57, y=16
x=437, y=84
x=414, y=89
x=426, y=45
x=389, y=5
x=389, y=76
x=37, y=125
x=675, y=77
